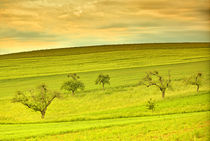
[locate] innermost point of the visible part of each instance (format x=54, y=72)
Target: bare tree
x=155, y=79
x=103, y=79
x=195, y=79
x=38, y=99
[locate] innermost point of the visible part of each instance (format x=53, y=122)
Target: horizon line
x=46, y=49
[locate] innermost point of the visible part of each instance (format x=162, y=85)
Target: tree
x=154, y=79
x=195, y=80
x=102, y=80
x=38, y=99
x=150, y=104
x=73, y=86
x=74, y=76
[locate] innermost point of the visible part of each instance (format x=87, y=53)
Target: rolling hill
x=119, y=112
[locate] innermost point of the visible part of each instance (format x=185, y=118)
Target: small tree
x=195, y=79
x=150, y=104
x=154, y=79
x=102, y=80
x=73, y=86
x=74, y=76
x=37, y=100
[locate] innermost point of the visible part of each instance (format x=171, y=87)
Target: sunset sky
x=39, y=24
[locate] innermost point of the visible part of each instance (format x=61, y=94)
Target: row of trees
x=155, y=79
x=41, y=97
x=75, y=84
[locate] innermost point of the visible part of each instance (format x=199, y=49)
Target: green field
x=119, y=112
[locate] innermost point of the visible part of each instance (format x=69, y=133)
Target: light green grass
x=10, y=131
x=101, y=106
x=122, y=103
x=25, y=73
x=183, y=127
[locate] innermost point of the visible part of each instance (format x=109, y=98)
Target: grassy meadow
x=119, y=111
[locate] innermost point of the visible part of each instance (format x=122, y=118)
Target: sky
x=43, y=24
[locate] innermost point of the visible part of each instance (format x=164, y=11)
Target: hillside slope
x=117, y=113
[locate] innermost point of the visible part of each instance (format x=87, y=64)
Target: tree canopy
x=37, y=99
x=73, y=86
x=74, y=76
x=155, y=79
x=102, y=80
x=195, y=79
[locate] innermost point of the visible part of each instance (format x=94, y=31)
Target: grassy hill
x=119, y=112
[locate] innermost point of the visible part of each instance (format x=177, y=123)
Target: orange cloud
x=86, y=22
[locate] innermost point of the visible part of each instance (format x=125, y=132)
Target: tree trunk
x=198, y=86
x=45, y=109
x=43, y=113
x=163, y=92
x=73, y=93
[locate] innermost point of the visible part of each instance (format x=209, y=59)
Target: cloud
x=26, y=35
x=71, y=22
